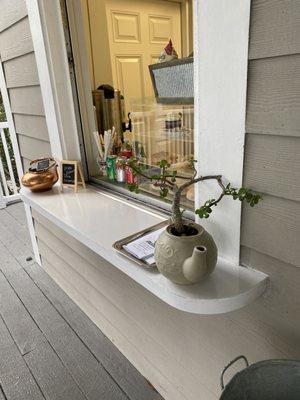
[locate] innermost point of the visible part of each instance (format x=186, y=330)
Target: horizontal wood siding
x=11, y=47
x=180, y=353
x=31, y=125
x=272, y=147
x=26, y=163
x=273, y=101
x=22, y=81
x=27, y=100
x=21, y=71
x=272, y=165
x=12, y=11
x=275, y=28
x=273, y=228
x=31, y=148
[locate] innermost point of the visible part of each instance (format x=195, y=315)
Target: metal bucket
x=264, y=380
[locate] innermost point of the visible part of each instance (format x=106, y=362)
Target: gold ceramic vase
x=41, y=181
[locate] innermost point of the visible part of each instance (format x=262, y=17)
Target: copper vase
x=41, y=181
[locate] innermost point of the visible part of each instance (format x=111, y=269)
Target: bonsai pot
x=188, y=258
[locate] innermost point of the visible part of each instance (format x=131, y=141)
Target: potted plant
x=185, y=252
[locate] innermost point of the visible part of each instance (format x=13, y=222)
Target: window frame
x=84, y=103
x=221, y=32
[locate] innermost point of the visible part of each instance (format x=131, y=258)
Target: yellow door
x=138, y=31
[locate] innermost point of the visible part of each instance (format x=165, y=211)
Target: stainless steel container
x=109, y=109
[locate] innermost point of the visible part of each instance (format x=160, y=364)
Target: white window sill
x=98, y=219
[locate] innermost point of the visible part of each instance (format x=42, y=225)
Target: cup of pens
x=104, y=143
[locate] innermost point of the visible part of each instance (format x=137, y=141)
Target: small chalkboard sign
x=42, y=165
x=68, y=174
x=71, y=174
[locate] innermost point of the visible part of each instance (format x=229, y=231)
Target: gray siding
x=272, y=148
x=16, y=52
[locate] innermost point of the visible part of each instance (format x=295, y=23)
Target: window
x=158, y=132
x=150, y=109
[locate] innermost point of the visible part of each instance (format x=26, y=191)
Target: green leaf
x=173, y=179
x=163, y=163
x=191, y=162
x=133, y=187
x=164, y=192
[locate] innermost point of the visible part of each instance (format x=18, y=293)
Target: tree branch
x=163, y=181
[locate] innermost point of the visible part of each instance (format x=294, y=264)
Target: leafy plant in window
x=185, y=252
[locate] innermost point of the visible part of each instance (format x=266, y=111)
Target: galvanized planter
x=264, y=380
x=173, y=81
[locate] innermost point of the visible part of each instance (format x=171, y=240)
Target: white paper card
x=143, y=247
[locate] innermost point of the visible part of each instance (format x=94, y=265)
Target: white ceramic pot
x=186, y=259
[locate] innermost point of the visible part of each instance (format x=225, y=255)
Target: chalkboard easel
x=71, y=175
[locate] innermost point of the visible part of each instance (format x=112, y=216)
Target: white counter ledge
x=98, y=219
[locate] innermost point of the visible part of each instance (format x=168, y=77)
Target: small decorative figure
x=168, y=54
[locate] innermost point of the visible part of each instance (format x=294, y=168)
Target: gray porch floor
x=49, y=349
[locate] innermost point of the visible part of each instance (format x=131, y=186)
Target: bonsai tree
x=166, y=180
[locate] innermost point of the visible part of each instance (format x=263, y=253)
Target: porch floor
x=49, y=349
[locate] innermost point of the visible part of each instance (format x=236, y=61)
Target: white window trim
x=83, y=80
x=52, y=64
x=221, y=31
